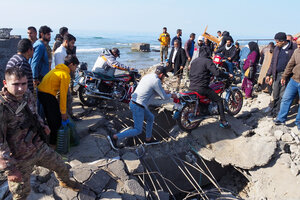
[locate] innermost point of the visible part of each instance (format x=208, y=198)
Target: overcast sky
x=243, y=18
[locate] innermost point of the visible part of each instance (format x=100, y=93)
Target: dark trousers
x=278, y=91
x=52, y=114
x=209, y=93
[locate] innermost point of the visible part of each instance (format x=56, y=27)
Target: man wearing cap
x=200, y=43
x=281, y=56
x=149, y=87
x=107, y=63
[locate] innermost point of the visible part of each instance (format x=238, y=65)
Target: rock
x=294, y=169
x=35, y=196
x=133, y=187
x=43, y=174
x=98, y=181
x=163, y=195
x=128, y=197
x=278, y=134
x=74, y=163
x=285, y=159
x=117, y=168
x=5, y=33
x=145, y=47
x=110, y=195
x=44, y=188
x=287, y=138
x=294, y=149
x=132, y=162
x=86, y=195
x=81, y=173
x=64, y=193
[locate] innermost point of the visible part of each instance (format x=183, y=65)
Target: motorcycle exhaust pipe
x=97, y=96
x=196, y=119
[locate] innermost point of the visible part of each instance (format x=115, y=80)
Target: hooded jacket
x=201, y=70
x=58, y=79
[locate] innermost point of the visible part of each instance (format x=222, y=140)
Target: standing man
x=60, y=37
x=25, y=51
x=149, y=87
x=56, y=80
x=61, y=52
x=164, y=39
x=177, y=37
x=21, y=144
x=177, y=61
x=292, y=89
x=281, y=56
x=39, y=62
x=32, y=34
x=189, y=51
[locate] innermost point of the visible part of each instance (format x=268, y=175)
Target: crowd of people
x=272, y=69
x=36, y=99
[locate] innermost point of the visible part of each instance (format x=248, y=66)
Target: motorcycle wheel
x=235, y=102
x=183, y=119
x=86, y=100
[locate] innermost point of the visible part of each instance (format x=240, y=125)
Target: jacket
x=229, y=52
x=251, y=61
x=272, y=70
x=108, y=61
x=201, y=70
x=58, y=79
x=39, y=61
x=180, y=59
x=164, y=39
x=13, y=148
x=293, y=67
x=189, y=48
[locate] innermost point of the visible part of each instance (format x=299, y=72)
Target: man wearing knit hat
x=281, y=56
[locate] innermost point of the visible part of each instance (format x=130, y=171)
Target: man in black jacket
x=200, y=74
x=229, y=53
x=177, y=61
x=282, y=53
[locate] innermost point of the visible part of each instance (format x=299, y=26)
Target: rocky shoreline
x=262, y=161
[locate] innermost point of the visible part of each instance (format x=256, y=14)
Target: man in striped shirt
x=25, y=51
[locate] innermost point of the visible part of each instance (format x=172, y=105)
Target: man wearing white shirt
x=61, y=52
x=149, y=87
x=177, y=61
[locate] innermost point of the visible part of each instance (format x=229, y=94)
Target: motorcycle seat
x=104, y=77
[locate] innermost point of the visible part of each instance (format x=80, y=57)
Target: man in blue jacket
x=39, y=62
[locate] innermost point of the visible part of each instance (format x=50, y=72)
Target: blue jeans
x=292, y=89
x=230, y=67
x=242, y=69
x=139, y=114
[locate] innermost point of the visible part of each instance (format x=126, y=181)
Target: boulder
x=145, y=47
x=133, y=187
x=110, y=195
x=132, y=162
x=117, y=169
x=98, y=181
x=5, y=33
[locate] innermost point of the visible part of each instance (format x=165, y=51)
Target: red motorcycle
x=191, y=108
x=219, y=61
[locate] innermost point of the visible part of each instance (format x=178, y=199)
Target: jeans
x=230, y=67
x=139, y=114
x=292, y=89
x=242, y=69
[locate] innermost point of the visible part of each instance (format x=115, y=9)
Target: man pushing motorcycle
x=107, y=63
x=200, y=76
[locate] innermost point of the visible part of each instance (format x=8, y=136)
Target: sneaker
x=113, y=142
x=277, y=122
x=151, y=142
x=73, y=185
x=224, y=124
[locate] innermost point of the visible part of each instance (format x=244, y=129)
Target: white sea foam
x=89, y=50
x=123, y=44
